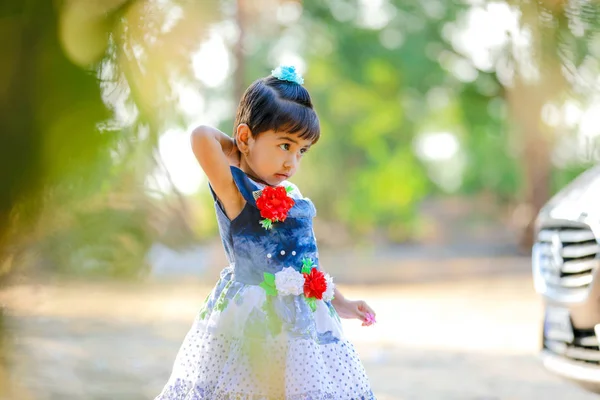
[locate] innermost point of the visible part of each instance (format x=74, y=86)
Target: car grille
x=568, y=258
x=584, y=347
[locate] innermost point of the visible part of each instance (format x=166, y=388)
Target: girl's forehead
x=282, y=135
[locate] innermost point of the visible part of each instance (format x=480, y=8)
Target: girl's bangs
x=299, y=120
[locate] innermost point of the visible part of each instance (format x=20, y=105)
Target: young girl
x=270, y=329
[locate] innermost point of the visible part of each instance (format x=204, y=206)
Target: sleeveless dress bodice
x=253, y=250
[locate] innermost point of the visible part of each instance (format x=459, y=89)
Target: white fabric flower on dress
x=288, y=281
x=328, y=294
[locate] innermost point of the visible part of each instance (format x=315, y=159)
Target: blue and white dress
x=247, y=345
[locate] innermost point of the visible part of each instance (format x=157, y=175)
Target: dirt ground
x=468, y=339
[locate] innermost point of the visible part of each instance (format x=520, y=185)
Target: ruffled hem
x=258, y=368
x=246, y=345
x=186, y=390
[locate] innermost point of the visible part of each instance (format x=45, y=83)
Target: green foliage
x=362, y=91
x=376, y=89
x=65, y=154
x=376, y=95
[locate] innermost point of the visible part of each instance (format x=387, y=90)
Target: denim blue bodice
x=251, y=249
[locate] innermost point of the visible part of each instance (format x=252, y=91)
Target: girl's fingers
x=365, y=309
x=362, y=312
x=365, y=313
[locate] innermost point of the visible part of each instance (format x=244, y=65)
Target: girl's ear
x=243, y=135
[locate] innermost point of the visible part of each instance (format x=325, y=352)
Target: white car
x=565, y=260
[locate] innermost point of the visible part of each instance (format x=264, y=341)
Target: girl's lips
x=282, y=176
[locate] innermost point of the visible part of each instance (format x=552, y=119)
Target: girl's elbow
x=199, y=131
x=199, y=135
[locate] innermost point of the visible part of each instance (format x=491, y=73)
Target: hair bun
x=287, y=73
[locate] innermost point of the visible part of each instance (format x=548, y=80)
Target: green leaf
x=270, y=290
x=307, y=265
x=266, y=223
x=222, y=304
x=289, y=189
x=269, y=279
x=206, y=300
x=268, y=284
x=307, y=261
x=312, y=303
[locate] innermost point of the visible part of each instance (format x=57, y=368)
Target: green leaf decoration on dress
x=203, y=314
x=312, y=303
x=268, y=284
x=206, y=300
x=204, y=308
x=221, y=305
x=266, y=223
x=307, y=265
x=222, y=302
x=289, y=189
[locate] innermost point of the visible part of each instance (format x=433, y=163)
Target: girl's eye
x=303, y=151
x=284, y=146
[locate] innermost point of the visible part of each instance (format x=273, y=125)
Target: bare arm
x=352, y=308
x=337, y=297
x=216, y=152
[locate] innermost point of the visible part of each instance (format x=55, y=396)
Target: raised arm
x=216, y=152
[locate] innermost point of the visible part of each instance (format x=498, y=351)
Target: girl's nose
x=290, y=162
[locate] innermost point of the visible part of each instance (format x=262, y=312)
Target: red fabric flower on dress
x=314, y=284
x=274, y=204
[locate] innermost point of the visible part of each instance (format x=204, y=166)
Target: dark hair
x=282, y=106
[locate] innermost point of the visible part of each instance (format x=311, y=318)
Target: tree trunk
x=528, y=94
x=240, y=58
x=526, y=102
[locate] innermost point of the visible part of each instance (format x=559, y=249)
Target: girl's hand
x=233, y=154
x=358, y=309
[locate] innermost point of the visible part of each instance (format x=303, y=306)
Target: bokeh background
x=445, y=127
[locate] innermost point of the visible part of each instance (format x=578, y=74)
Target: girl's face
x=274, y=156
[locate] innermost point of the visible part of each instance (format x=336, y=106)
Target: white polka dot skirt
x=245, y=345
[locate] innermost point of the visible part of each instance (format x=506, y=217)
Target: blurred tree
x=88, y=88
x=85, y=89
x=379, y=84
x=561, y=65
x=383, y=75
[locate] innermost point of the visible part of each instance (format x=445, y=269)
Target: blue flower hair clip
x=287, y=73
